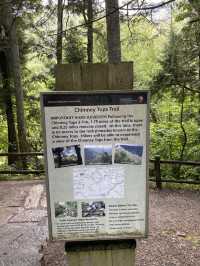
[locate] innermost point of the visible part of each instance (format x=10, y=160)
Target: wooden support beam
x=98, y=253
x=93, y=77
x=157, y=172
x=86, y=77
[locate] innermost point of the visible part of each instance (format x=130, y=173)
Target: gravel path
x=174, y=228
x=23, y=222
x=174, y=232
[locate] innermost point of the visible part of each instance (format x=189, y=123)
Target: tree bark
x=12, y=136
x=59, y=31
x=90, y=31
x=19, y=95
x=113, y=31
x=9, y=22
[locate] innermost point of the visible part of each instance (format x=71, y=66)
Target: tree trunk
x=113, y=31
x=21, y=125
x=8, y=21
x=90, y=31
x=59, y=31
x=12, y=136
x=12, y=139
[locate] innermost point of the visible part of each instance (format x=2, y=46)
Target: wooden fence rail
x=157, y=168
x=6, y=154
x=22, y=171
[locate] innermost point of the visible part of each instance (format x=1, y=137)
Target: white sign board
x=96, y=158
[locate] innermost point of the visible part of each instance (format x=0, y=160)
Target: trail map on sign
x=98, y=182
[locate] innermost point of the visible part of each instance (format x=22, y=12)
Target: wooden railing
x=22, y=171
x=157, y=168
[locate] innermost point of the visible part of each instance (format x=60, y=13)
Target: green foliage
x=75, y=51
x=100, y=43
x=175, y=88
x=167, y=135
x=37, y=77
x=143, y=44
x=165, y=130
x=166, y=61
x=3, y=133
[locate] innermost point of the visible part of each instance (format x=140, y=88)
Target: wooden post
x=98, y=253
x=157, y=172
x=86, y=77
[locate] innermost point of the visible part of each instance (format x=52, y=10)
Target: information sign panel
x=97, y=164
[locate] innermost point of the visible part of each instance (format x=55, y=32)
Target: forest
x=162, y=38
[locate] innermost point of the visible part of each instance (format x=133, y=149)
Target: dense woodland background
x=161, y=37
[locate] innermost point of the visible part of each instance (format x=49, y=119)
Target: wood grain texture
x=101, y=257
x=104, y=257
x=86, y=77
x=123, y=257
x=101, y=253
x=73, y=259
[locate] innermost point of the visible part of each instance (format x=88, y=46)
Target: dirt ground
x=174, y=228
x=23, y=222
x=174, y=232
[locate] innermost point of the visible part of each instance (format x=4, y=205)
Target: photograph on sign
x=68, y=208
x=95, y=154
x=96, y=147
x=66, y=156
x=128, y=153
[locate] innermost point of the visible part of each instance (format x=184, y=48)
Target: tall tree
x=59, y=31
x=9, y=23
x=8, y=104
x=90, y=31
x=85, y=8
x=113, y=31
